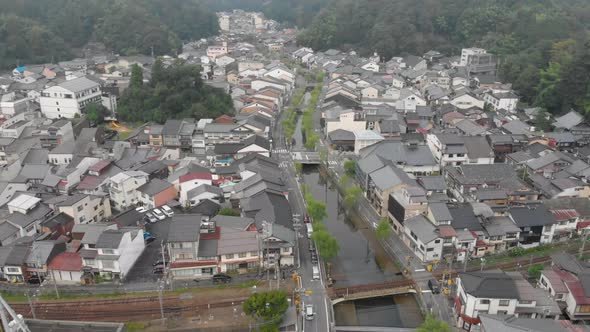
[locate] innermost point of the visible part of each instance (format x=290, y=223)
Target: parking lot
x=143, y=269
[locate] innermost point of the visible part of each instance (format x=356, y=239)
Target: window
x=229, y=256
x=90, y=261
x=79, y=208
x=108, y=265
x=12, y=270
x=82, y=218
x=253, y=253
x=429, y=249
x=242, y=255
x=504, y=303
x=437, y=241
x=108, y=251
x=484, y=301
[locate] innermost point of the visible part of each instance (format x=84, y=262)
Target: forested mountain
x=298, y=13
x=174, y=92
x=38, y=31
x=542, y=43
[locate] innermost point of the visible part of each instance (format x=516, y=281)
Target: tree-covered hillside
x=542, y=43
x=33, y=31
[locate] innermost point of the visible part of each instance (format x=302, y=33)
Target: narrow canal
x=360, y=261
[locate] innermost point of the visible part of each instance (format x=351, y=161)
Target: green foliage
x=516, y=252
x=95, y=113
x=350, y=167
x=383, y=230
x=227, y=211
x=33, y=31
x=266, y=306
x=542, y=120
x=176, y=92
x=326, y=243
x=316, y=209
x=352, y=196
x=431, y=324
x=299, y=168
x=535, y=271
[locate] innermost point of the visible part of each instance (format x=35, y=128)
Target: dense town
x=474, y=208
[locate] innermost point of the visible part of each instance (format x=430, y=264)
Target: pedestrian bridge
x=396, y=287
x=306, y=157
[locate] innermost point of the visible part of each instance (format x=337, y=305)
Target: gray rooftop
x=185, y=228
x=424, y=229
x=489, y=284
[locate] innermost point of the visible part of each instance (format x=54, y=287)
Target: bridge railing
x=345, y=291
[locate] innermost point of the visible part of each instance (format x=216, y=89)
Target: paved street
x=315, y=291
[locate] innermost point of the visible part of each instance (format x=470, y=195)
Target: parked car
x=223, y=278
x=306, y=219
x=160, y=262
x=433, y=285
x=158, y=213
x=151, y=218
x=158, y=269
x=35, y=280
x=309, y=314
x=167, y=210
x=146, y=235
x=141, y=209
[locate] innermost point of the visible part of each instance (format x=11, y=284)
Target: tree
x=316, y=210
x=535, y=271
x=96, y=113
x=352, y=196
x=383, y=230
x=299, y=168
x=542, y=120
x=326, y=244
x=267, y=306
x=431, y=324
x=227, y=211
x=136, y=80
x=350, y=167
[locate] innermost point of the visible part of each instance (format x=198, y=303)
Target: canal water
x=361, y=260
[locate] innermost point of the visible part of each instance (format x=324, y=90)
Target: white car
x=158, y=214
x=309, y=314
x=167, y=210
x=150, y=217
x=141, y=209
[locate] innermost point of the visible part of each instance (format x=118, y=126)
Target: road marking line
x=327, y=315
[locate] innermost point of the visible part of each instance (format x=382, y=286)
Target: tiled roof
x=66, y=261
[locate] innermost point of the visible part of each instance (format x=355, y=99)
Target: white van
x=309, y=230
x=309, y=314
x=315, y=272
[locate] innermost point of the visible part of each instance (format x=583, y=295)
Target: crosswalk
x=284, y=164
x=280, y=151
x=332, y=162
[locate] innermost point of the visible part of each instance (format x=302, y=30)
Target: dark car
x=221, y=278
x=433, y=285
x=35, y=280
x=159, y=262
x=159, y=269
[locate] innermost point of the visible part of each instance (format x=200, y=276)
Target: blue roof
x=21, y=69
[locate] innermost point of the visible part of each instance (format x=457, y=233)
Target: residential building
x=155, y=193
x=499, y=293
x=82, y=208
x=70, y=98
x=122, y=189
x=118, y=250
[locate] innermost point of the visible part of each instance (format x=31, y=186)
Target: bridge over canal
x=395, y=287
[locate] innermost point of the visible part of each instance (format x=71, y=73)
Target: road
x=314, y=291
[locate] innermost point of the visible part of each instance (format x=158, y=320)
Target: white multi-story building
x=499, y=293
x=69, y=98
x=85, y=208
x=118, y=250
x=123, y=188
x=466, y=52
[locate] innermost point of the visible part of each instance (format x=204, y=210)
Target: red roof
x=66, y=261
x=583, y=224
x=565, y=214
x=89, y=182
x=447, y=231
x=224, y=119
x=211, y=236
x=99, y=166
x=177, y=265
x=577, y=292
x=195, y=176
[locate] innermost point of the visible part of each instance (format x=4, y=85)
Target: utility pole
x=160, y=298
x=31, y=304
x=54, y=283
x=584, y=236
